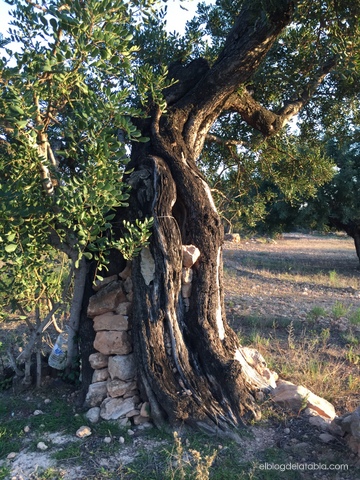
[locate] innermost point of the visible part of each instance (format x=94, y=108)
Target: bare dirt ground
x=297, y=300
x=288, y=277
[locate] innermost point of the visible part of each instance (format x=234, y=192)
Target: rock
x=130, y=432
x=122, y=367
x=124, y=308
x=186, y=275
x=320, y=422
x=118, y=388
x=128, y=285
x=42, y=446
x=107, y=440
x=96, y=394
x=27, y=429
x=121, y=440
x=38, y=412
x=47, y=401
x=190, y=255
x=298, y=447
x=100, y=375
x=98, y=360
x=344, y=422
x=11, y=455
x=83, y=432
x=355, y=424
x=286, y=431
x=131, y=393
x=124, y=422
x=140, y=420
x=106, y=300
x=114, y=408
x=186, y=290
x=334, y=429
x=110, y=321
x=99, y=284
x=93, y=415
x=298, y=397
x=257, y=361
x=126, y=272
x=147, y=265
x=145, y=410
x=232, y=237
x=326, y=437
x=133, y=413
x=113, y=343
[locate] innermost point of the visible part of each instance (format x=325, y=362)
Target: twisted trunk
x=190, y=364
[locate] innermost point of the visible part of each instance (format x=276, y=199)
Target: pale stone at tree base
x=297, y=397
x=110, y=321
x=113, y=343
x=98, y=360
x=122, y=367
x=100, y=375
x=114, y=408
x=96, y=394
x=107, y=299
x=118, y=388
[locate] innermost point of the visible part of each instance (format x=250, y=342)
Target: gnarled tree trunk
x=186, y=352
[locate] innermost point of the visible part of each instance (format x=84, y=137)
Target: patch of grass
x=72, y=450
x=4, y=473
x=48, y=474
x=353, y=356
x=354, y=317
x=339, y=310
x=315, y=313
x=333, y=278
x=108, y=429
x=350, y=338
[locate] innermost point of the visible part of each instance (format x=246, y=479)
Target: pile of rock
x=113, y=393
x=349, y=425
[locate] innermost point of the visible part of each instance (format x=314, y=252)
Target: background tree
x=336, y=204
x=261, y=63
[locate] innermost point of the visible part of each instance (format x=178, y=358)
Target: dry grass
x=298, y=302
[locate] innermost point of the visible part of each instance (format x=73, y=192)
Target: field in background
x=297, y=300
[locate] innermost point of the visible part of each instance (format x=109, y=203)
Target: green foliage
x=65, y=103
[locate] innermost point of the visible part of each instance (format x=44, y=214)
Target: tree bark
x=187, y=354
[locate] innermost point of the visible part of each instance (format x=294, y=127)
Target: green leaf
x=11, y=247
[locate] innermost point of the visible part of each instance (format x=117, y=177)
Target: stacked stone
x=350, y=429
x=114, y=393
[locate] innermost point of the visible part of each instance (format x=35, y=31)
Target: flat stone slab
x=110, y=321
x=113, y=343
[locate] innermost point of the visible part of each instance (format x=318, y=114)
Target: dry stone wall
x=113, y=393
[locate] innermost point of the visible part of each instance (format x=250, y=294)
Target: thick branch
x=254, y=32
x=210, y=137
x=266, y=121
